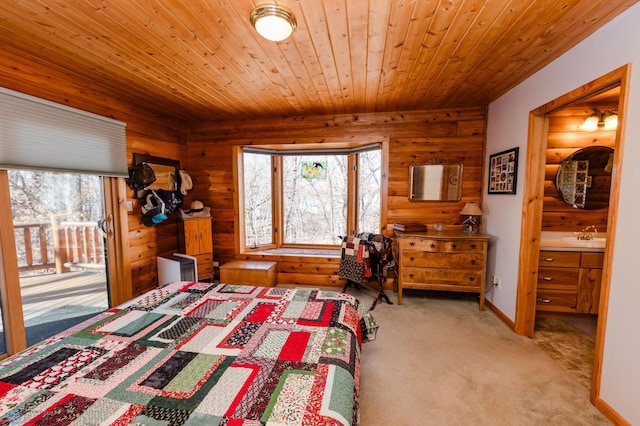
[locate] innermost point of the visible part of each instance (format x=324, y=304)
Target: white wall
x=614, y=45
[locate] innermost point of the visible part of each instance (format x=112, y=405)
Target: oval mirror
x=583, y=179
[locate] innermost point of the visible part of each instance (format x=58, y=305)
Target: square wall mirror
x=165, y=169
x=435, y=182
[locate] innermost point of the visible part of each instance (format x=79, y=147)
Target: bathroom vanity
x=569, y=273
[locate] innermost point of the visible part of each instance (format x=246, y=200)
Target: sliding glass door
x=58, y=222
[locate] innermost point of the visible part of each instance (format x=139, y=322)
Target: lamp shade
x=273, y=22
x=471, y=209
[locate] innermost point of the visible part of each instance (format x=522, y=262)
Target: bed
x=193, y=353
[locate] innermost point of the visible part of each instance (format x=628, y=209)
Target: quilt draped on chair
x=354, y=260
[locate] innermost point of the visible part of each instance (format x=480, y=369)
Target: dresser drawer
x=558, y=278
x=421, y=244
x=464, y=245
x=454, y=277
x=556, y=300
x=559, y=258
x=429, y=245
x=205, y=263
x=472, y=261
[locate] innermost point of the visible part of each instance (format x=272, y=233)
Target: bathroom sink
x=596, y=242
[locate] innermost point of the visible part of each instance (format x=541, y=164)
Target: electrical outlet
x=129, y=205
x=495, y=280
x=216, y=264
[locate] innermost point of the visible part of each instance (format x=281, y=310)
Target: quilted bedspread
x=197, y=354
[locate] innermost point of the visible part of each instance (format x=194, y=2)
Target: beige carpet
x=438, y=360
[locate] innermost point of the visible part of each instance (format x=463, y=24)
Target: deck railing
x=63, y=246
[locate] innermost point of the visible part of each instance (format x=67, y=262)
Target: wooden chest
x=249, y=272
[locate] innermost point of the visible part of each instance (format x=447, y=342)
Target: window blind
x=324, y=149
x=43, y=135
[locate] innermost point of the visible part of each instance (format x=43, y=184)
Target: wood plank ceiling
x=200, y=60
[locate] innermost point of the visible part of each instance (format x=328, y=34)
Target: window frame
x=278, y=151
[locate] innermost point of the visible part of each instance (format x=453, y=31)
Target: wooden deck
x=45, y=293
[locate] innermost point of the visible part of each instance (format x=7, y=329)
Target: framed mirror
x=583, y=179
x=165, y=169
x=435, y=182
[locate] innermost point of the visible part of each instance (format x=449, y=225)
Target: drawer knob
x=547, y=278
x=412, y=243
x=472, y=278
x=410, y=275
x=412, y=258
x=473, y=245
x=432, y=245
x=454, y=246
x=548, y=259
x=544, y=300
x=474, y=261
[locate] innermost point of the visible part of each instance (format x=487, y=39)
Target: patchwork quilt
x=197, y=354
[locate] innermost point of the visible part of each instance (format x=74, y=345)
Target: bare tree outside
x=314, y=197
x=257, y=201
x=369, y=187
x=43, y=200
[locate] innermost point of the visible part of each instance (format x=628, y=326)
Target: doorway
x=533, y=203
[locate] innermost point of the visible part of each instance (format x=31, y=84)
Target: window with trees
x=309, y=197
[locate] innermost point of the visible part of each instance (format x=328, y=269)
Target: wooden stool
x=249, y=272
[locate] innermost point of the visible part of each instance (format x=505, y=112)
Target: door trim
x=12, y=316
x=532, y=210
x=120, y=287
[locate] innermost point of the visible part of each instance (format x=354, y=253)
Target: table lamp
x=472, y=223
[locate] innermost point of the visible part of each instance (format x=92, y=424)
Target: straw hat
x=197, y=210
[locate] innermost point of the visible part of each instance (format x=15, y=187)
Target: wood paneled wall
x=418, y=137
x=146, y=133
x=564, y=139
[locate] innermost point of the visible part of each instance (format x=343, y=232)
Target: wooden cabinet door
x=191, y=236
x=197, y=236
x=205, y=238
x=589, y=291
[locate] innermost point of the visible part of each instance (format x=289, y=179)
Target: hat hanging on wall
x=153, y=211
x=171, y=199
x=197, y=210
x=141, y=176
x=186, y=184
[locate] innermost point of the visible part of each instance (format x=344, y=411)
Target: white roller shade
x=38, y=134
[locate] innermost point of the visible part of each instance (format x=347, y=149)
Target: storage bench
x=249, y=272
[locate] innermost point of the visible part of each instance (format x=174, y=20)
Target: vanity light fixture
x=604, y=120
x=273, y=22
x=472, y=223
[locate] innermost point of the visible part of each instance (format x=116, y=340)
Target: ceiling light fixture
x=607, y=120
x=273, y=22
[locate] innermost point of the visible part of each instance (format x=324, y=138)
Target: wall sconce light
x=273, y=22
x=604, y=120
x=471, y=225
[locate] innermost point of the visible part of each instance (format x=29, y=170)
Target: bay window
x=308, y=197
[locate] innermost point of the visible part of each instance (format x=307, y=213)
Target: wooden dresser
x=450, y=260
x=196, y=240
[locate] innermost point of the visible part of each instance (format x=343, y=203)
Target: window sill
x=294, y=252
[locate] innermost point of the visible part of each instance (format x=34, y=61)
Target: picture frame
x=503, y=172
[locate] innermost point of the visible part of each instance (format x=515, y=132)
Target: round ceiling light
x=273, y=22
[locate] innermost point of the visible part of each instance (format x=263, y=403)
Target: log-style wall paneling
x=417, y=137
x=564, y=139
x=146, y=133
